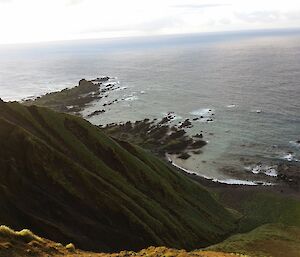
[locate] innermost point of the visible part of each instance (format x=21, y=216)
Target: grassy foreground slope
x=272, y=217
x=274, y=240
x=262, y=205
x=63, y=178
x=25, y=243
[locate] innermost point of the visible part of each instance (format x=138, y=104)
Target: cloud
x=160, y=24
x=114, y=18
x=259, y=16
x=73, y=2
x=292, y=15
x=199, y=6
x=151, y=26
x=5, y=1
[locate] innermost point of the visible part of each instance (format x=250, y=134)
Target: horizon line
x=269, y=30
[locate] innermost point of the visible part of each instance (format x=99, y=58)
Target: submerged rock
x=186, y=124
x=198, y=135
x=95, y=113
x=184, y=156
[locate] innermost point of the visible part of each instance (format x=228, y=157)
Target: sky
x=23, y=21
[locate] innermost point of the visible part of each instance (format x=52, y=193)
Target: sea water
x=244, y=88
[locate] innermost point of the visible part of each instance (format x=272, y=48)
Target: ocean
x=245, y=85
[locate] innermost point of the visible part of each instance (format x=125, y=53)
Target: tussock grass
x=169, y=252
x=70, y=247
x=25, y=234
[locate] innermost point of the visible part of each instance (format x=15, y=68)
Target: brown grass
x=24, y=235
x=25, y=243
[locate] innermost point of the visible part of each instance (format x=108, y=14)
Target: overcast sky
x=48, y=20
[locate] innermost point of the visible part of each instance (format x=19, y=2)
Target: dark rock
x=185, y=124
x=95, y=113
x=197, y=152
x=184, y=156
x=106, y=78
x=81, y=82
x=198, y=144
x=164, y=120
x=127, y=126
x=158, y=137
x=177, y=134
x=198, y=135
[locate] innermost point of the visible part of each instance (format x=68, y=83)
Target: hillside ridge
x=67, y=181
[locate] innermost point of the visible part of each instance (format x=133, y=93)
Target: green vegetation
x=275, y=240
x=261, y=205
x=272, y=218
x=70, y=100
x=262, y=208
x=69, y=182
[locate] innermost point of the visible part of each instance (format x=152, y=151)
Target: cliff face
x=67, y=181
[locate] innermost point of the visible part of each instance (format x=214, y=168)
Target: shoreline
x=229, y=181
x=228, y=191
x=76, y=99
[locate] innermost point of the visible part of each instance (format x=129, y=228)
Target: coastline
x=76, y=101
x=229, y=181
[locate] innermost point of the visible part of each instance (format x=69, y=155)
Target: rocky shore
x=158, y=136
x=74, y=100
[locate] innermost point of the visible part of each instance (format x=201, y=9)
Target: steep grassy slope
x=67, y=181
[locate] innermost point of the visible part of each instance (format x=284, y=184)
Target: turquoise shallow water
x=249, y=81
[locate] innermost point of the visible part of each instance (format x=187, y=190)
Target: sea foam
x=262, y=168
x=205, y=112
